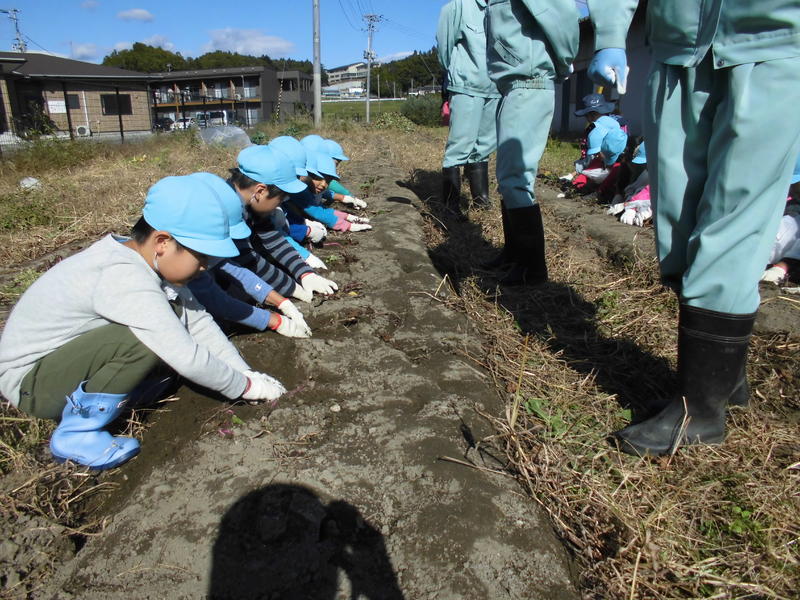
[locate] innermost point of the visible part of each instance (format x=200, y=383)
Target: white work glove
x=315, y=263
x=262, y=387
x=567, y=177
x=615, y=209
x=292, y=328
x=355, y=202
x=360, y=227
x=356, y=219
x=316, y=231
x=301, y=293
x=290, y=310
x=642, y=216
x=628, y=216
x=314, y=283
x=774, y=274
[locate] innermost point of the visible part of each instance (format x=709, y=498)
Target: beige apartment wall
x=98, y=122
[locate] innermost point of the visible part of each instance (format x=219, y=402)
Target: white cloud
x=85, y=51
x=123, y=46
x=248, y=41
x=135, y=14
x=90, y=4
x=159, y=41
x=394, y=56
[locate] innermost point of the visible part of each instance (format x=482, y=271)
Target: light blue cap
x=191, y=212
x=313, y=142
x=323, y=164
x=640, y=156
x=293, y=150
x=334, y=150
x=230, y=202
x=267, y=166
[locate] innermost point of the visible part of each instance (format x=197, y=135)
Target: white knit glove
x=292, y=328
x=360, y=227
x=356, y=219
x=355, y=202
x=641, y=216
x=774, y=274
x=567, y=177
x=628, y=216
x=314, y=283
x=301, y=293
x=262, y=387
x=315, y=263
x=290, y=310
x=616, y=208
x=316, y=231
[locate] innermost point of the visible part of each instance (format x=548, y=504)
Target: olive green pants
x=110, y=359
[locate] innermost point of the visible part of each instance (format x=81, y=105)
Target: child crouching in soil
x=93, y=327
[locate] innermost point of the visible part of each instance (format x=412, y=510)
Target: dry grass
x=572, y=360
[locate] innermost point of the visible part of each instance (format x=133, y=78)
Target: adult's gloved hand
x=301, y=293
x=316, y=231
x=315, y=263
x=628, y=216
x=355, y=202
x=261, y=387
x=314, y=283
x=292, y=328
x=360, y=227
x=609, y=67
x=775, y=274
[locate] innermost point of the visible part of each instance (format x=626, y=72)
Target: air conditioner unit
x=83, y=131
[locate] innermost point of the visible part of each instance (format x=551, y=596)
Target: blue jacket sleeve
x=336, y=187
x=221, y=306
x=303, y=252
x=251, y=284
x=298, y=232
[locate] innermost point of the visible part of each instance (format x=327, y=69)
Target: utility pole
x=19, y=44
x=317, y=71
x=379, y=89
x=372, y=21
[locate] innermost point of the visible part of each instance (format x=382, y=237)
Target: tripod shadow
x=283, y=541
x=554, y=312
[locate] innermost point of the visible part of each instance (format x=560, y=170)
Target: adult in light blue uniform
x=461, y=43
x=722, y=130
x=530, y=45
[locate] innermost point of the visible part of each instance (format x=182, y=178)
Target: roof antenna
x=19, y=44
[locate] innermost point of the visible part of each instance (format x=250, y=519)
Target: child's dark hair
x=243, y=182
x=141, y=231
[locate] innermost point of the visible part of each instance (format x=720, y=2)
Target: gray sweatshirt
x=111, y=283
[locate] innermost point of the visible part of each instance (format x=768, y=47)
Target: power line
x=346, y=16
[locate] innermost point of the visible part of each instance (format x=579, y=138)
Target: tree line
x=151, y=59
x=416, y=70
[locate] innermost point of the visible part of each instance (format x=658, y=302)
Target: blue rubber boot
x=80, y=436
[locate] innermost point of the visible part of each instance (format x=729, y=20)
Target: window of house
x=109, y=104
x=73, y=101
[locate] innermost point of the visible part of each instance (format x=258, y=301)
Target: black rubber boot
x=526, y=242
x=451, y=189
x=504, y=257
x=478, y=176
x=712, y=353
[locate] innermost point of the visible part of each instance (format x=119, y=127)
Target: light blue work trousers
x=473, y=130
x=523, y=124
x=721, y=146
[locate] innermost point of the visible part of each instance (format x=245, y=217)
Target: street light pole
x=317, y=69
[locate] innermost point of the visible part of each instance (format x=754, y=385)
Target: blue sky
x=90, y=29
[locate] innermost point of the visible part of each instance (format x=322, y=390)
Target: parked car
x=202, y=120
x=185, y=123
x=163, y=124
x=217, y=118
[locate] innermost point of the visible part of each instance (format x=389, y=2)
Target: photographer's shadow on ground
x=283, y=541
